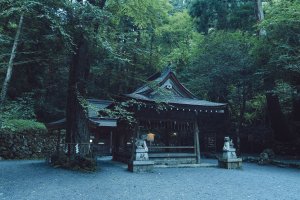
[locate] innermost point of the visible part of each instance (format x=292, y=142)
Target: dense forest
x=245, y=53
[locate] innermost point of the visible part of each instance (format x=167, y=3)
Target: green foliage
x=131, y=53
x=18, y=117
x=178, y=40
x=180, y=5
x=223, y=15
x=22, y=108
x=285, y=93
x=40, y=63
x=282, y=43
x=255, y=110
x=226, y=71
x=122, y=111
x=146, y=13
x=22, y=126
x=224, y=58
x=42, y=10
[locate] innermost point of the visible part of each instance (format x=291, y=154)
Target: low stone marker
x=141, y=162
x=229, y=160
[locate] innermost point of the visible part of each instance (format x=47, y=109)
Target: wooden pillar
x=135, y=136
x=58, y=140
x=197, y=144
x=111, y=142
x=115, y=148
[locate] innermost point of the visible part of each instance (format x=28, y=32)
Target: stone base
x=141, y=166
x=230, y=154
x=235, y=163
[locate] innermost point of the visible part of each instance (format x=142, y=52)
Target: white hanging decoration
x=77, y=149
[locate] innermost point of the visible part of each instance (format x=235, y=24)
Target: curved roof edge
x=185, y=97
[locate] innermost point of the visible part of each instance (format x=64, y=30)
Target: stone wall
x=27, y=145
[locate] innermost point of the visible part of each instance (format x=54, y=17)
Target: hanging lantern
x=150, y=137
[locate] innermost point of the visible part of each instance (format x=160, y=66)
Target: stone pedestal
x=141, y=154
x=141, y=162
x=229, y=154
x=233, y=163
x=141, y=166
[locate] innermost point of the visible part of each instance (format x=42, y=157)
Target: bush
x=18, y=116
x=22, y=126
x=83, y=164
x=21, y=108
x=60, y=159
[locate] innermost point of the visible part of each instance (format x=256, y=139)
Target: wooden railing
x=171, y=149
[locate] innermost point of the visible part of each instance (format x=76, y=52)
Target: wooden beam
x=171, y=147
x=197, y=144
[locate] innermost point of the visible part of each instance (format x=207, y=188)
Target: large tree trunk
x=77, y=133
x=296, y=104
x=77, y=115
x=277, y=119
x=11, y=62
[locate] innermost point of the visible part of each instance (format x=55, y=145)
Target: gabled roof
x=165, y=87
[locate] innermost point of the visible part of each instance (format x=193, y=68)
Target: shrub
x=22, y=126
x=81, y=163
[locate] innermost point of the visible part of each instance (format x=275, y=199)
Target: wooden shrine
x=172, y=118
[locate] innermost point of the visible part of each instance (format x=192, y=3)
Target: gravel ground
x=36, y=180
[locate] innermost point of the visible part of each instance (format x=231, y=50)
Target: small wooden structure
x=171, y=117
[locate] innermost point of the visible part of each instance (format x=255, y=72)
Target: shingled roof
x=94, y=105
x=165, y=87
